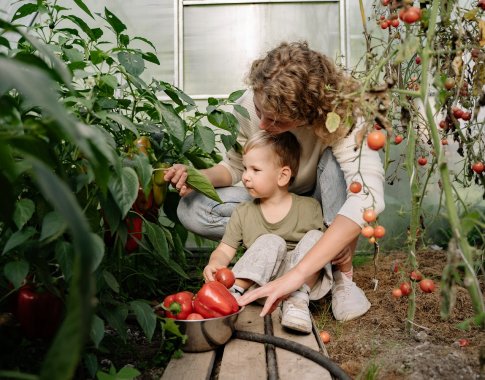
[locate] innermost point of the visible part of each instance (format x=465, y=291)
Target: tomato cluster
x=405, y=288
x=213, y=300
x=369, y=231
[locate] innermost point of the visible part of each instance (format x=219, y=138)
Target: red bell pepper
x=142, y=203
x=215, y=300
x=38, y=312
x=178, y=305
x=134, y=226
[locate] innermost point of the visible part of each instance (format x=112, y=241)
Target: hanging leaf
x=145, y=317
x=16, y=271
x=114, y=21
x=333, y=122
x=205, y=138
x=24, y=209
x=132, y=62
x=124, y=189
x=199, y=182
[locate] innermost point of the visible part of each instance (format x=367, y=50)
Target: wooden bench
x=242, y=359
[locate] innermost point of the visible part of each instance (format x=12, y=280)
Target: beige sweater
x=366, y=169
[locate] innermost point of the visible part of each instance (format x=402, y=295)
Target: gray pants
x=268, y=258
x=207, y=218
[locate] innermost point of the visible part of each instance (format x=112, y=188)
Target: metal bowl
x=208, y=334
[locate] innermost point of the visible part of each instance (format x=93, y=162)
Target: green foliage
x=80, y=134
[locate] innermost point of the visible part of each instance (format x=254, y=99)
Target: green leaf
x=132, y=62
x=52, y=225
x=124, y=189
x=157, y=238
x=4, y=42
x=82, y=24
x=333, y=122
x=144, y=171
x=97, y=331
x=242, y=111
x=174, y=123
x=24, y=209
x=205, y=138
x=64, y=354
x=25, y=10
x=146, y=41
x=91, y=363
x=236, y=95
x=16, y=271
x=197, y=181
x=65, y=257
x=98, y=251
x=116, y=319
x=83, y=6
x=150, y=57
x=18, y=238
x=124, y=122
x=128, y=373
x=145, y=317
x=114, y=21
x=111, y=281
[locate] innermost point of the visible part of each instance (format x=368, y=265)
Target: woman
x=294, y=88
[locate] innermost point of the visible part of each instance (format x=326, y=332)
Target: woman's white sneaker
x=348, y=300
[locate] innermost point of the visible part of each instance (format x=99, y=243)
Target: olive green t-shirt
x=247, y=222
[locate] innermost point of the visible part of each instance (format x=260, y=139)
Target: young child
x=277, y=228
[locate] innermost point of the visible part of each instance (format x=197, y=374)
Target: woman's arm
x=339, y=235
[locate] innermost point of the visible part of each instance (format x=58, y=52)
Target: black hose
x=297, y=348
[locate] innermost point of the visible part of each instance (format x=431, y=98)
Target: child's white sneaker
x=295, y=313
x=348, y=300
x=236, y=291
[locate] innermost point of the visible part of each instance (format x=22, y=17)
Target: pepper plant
x=85, y=214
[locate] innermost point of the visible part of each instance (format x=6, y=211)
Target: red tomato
x=405, y=288
x=369, y=215
x=379, y=232
x=481, y=4
x=449, y=83
x=478, y=167
x=355, y=187
x=444, y=142
x=410, y=15
x=395, y=266
x=194, y=317
x=385, y=24
x=385, y=2
x=396, y=293
x=444, y=124
x=226, y=277
x=325, y=336
x=416, y=275
x=464, y=342
x=418, y=60
x=395, y=22
x=398, y=139
x=367, y=231
x=427, y=285
x=466, y=115
x=422, y=161
x=457, y=112
x=376, y=140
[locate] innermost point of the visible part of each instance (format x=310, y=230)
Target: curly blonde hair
x=298, y=83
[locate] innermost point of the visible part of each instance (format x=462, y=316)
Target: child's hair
x=285, y=145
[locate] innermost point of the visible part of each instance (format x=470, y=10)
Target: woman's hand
x=177, y=175
x=276, y=291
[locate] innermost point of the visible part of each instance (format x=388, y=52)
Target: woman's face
x=271, y=123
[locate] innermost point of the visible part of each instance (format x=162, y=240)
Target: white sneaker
x=295, y=313
x=348, y=300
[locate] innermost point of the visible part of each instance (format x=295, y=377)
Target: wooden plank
x=194, y=366
x=243, y=359
x=292, y=366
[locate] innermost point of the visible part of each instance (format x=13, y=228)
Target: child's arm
x=220, y=258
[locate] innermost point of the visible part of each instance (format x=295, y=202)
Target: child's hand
x=210, y=270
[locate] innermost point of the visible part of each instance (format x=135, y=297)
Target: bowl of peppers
x=207, y=318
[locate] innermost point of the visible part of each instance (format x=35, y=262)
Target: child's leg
x=261, y=262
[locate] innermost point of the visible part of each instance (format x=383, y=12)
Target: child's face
x=261, y=172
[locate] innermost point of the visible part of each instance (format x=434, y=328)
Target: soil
x=377, y=345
